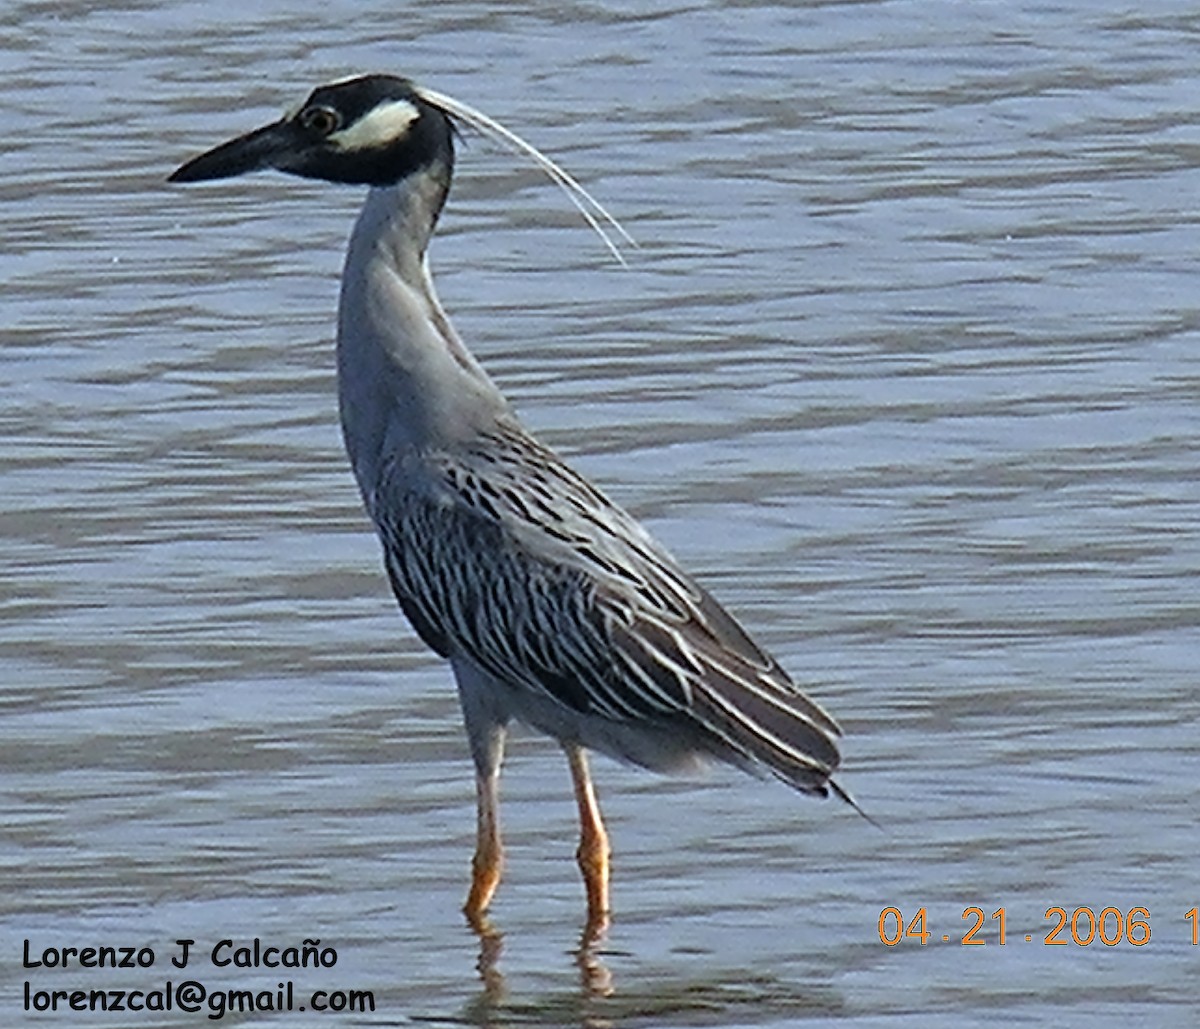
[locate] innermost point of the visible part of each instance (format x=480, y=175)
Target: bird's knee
x=593, y=857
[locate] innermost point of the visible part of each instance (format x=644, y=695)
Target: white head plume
x=592, y=210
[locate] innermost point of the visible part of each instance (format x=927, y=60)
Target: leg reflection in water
x=595, y=980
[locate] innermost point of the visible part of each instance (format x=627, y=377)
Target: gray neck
x=406, y=383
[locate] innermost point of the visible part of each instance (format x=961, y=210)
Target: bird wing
x=509, y=556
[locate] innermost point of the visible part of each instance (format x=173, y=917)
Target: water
x=905, y=370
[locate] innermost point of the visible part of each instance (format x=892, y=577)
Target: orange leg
x=593, y=852
x=488, y=862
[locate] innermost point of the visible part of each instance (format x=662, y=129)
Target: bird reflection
x=491, y=944
x=595, y=979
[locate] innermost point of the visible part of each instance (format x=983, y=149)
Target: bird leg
x=488, y=862
x=593, y=852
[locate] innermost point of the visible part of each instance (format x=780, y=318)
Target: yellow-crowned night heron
x=552, y=605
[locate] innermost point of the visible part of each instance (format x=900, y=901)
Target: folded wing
x=506, y=555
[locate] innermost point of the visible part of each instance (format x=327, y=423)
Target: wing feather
x=503, y=553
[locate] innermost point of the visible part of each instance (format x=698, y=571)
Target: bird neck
x=406, y=381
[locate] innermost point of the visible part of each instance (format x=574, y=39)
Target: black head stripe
x=354, y=98
x=425, y=141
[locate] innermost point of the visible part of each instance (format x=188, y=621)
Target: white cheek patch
x=380, y=126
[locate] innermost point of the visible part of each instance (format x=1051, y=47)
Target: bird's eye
x=321, y=120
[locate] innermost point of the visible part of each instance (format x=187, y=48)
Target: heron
x=554, y=607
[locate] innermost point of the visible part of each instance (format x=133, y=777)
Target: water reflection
x=491, y=946
x=660, y=998
x=595, y=979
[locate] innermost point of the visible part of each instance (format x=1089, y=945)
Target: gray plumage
x=551, y=603
x=504, y=557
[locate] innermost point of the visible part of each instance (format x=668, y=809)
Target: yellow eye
x=320, y=120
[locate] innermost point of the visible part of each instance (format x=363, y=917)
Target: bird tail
x=778, y=729
x=843, y=795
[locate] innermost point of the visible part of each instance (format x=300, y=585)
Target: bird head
x=377, y=130
x=372, y=130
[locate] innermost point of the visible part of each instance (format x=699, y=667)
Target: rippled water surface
x=905, y=369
